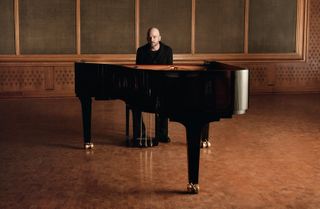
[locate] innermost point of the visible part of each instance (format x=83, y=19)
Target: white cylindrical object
x=241, y=94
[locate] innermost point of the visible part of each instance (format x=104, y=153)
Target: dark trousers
x=161, y=127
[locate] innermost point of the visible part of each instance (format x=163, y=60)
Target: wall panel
x=7, y=27
x=107, y=26
x=219, y=26
x=36, y=79
x=47, y=26
x=172, y=17
x=20, y=79
x=272, y=26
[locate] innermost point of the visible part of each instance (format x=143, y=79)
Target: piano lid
x=180, y=67
x=169, y=67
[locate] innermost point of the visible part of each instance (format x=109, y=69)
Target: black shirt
x=162, y=56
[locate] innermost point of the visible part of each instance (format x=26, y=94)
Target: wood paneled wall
x=109, y=30
x=37, y=57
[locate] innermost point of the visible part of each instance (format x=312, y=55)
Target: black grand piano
x=193, y=95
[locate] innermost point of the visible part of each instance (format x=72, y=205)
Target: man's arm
x=139, y=57
x=170, y=57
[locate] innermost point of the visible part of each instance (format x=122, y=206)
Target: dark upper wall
x=119, y=26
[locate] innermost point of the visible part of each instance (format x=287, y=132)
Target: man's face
x=154, y=38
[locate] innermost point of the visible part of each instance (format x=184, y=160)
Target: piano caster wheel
x=205, y=144
x=88, y=146
x=208, y=144
x=193, y=188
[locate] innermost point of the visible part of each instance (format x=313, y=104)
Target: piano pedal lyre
x=88, y=146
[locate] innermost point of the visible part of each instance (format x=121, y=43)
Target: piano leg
x=86, y=121
x=194, y=132
x=205, y=137
x=128, y=125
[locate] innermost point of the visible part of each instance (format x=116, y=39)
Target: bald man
x=154, y=52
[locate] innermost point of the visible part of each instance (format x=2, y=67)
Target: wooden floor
x=268, y=158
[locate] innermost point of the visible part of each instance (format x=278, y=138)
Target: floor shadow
x=172, y=192
x=68, y=146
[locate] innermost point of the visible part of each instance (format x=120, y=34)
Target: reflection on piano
x=193, y=95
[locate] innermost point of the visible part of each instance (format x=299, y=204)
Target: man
x=154, y=52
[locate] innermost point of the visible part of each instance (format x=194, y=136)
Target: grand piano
x=193, y=95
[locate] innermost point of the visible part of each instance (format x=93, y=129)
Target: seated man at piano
x=154, y=52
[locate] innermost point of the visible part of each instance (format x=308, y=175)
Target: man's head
x=154, y=38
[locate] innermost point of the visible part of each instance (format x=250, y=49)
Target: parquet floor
x=268, y=158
